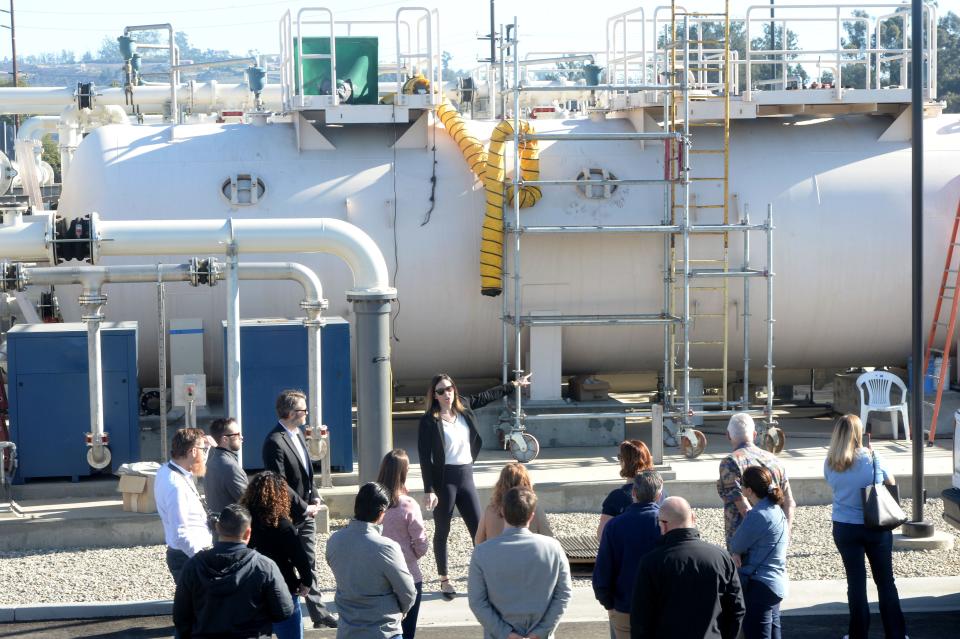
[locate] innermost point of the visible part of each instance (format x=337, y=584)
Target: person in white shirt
x=181, y=510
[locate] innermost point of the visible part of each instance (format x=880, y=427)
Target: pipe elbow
x=361, y=253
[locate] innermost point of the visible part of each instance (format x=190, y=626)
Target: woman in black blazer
x=274, y=535
x=448, y=444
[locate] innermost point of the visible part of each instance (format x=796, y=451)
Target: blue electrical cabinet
x=273, y=357
x=50, y=399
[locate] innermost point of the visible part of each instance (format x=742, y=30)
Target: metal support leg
x=92, y=301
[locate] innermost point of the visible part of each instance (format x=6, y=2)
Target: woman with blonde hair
x=634, y=458
x=513, y=475
x=849, y=467
x=403, y=523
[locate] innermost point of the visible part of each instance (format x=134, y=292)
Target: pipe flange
x=99, y=317
x=92, y=299
x=205, y=270
x=12, y=276
x=314, y=305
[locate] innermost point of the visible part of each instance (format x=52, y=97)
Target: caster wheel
x=692, y=450
x=524, y=456
x=774, y=440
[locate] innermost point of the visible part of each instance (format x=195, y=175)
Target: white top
x=456, y=442
x=181, y=511
x=295, y=440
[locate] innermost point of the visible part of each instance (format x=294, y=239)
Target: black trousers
x=457, y=490
x=307, y=534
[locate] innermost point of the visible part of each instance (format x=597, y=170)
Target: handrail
x=840, y=54
x=332, y=56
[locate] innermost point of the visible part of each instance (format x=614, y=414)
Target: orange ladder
x=950, y=324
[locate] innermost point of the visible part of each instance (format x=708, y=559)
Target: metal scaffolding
x=684, y=275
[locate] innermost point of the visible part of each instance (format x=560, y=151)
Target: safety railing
x=870, y=55
x=412, y=40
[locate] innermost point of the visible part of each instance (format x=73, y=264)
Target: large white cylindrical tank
x=841, y=200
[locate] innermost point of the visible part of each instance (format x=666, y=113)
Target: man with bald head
x=685, y=588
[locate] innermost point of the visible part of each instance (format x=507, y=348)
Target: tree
x=51, y=155
x=948, y=60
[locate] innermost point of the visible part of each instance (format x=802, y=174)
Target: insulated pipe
x=281, y=235
x=371, y=294
x=375, y=429
x=235, y=402
x=205, y=96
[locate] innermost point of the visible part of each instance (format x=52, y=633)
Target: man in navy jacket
x=626, y=539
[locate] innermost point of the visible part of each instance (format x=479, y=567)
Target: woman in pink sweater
x=403, y=523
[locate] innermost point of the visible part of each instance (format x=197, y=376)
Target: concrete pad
x=828, y=597
x=92, y=610
x=939, y=541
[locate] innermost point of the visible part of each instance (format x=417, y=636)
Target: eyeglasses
x=236, y=434
x=302, y=410
x=441, y=391
x=202, y=449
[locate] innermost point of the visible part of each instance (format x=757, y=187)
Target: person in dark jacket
x=274, y=536
x=225, y=481
x=626, y=539
x=230, y=591
x=448, y=444
x=685, y=588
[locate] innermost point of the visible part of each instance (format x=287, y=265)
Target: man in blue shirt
x=626, y=539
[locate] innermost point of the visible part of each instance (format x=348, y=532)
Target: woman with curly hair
x=273, y=535
x=513, y=475
x=634, y=458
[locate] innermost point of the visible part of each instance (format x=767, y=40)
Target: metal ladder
x=950, y=268
x=701, y=290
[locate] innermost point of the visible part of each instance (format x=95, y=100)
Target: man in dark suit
x=285, y=453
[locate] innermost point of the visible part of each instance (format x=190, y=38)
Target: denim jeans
x=292, y=626
x=854, y=541
x=762, y=620
x=409, y=623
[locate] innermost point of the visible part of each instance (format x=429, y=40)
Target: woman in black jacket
x=273, y=535
x=448, y=444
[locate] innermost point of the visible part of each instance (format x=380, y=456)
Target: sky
x=44, y=26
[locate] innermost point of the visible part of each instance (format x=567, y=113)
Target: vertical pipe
x=917, y=527
x=518, y=360
x=685, y=176
x=92, y=301
x=745, y=400
x=234, y=409
x=770, y=319
x=13, y=53
x=314, y=394
x=162, y=363
x=374, y=427
x=493, y=33
x=667, y=259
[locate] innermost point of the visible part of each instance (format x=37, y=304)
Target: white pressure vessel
x=840, y=196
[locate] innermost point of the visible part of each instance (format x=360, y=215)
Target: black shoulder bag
x=881, y=508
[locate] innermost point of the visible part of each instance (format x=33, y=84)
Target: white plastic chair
x=878, y=384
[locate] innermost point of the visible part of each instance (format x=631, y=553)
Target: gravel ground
x=124, y=574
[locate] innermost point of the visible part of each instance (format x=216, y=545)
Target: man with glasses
x=285, y=453
x=182, y=511
x=686, y=588
x=225, y=481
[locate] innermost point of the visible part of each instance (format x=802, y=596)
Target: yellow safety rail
x=491, y=242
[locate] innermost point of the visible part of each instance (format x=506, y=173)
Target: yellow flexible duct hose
x=471, y=147
x=491, y=242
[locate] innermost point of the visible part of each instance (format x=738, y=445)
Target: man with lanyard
x=285, y=453
x=181, y=510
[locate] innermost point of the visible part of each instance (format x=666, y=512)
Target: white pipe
x=235, y=407
x=36, y=127
x=283, y=235
x=206, y=96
